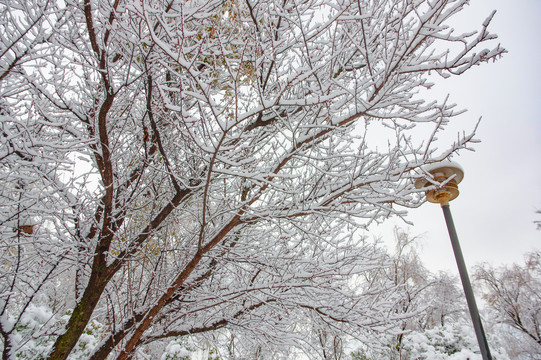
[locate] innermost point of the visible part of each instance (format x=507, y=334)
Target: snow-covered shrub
x=455, y=341
x=35, y=331
x=176, y=350
x=31, y=339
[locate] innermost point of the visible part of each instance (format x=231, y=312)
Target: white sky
x=501, y=190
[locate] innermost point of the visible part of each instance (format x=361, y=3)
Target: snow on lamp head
x=446, y=176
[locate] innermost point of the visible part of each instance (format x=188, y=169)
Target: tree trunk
x=79, y=318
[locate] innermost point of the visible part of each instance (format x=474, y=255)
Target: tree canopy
x=173, y=168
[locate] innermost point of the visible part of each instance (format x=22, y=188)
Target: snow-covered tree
x=430, y=310
x=421, y=301
x=514, y=293
x=171, y=168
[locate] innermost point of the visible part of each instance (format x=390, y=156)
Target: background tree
x=172, y=168
x=421, y=301
x=432, y=321
x=514, y=292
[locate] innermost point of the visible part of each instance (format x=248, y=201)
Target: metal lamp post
x=448, y=175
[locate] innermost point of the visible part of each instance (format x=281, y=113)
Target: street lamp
x=443, y=181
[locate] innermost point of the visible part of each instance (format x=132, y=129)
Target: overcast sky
x=501, y=190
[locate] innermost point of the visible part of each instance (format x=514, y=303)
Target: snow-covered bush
x=34, y=334
x=176, y=351
x=31, y=336
x=454, y=341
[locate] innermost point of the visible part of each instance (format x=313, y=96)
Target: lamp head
x=448, y=175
